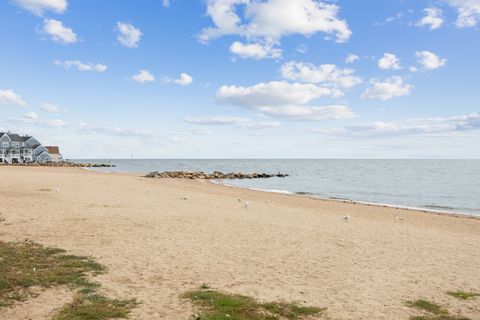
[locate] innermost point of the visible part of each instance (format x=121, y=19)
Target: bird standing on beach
x=346, y=218
x=246, y=205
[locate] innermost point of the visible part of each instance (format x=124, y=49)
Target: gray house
x=15, y=148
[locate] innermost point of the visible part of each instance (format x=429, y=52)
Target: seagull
x=399, y=218
x=246, y=205
x=184, y=198
x=346, y=218
x=57, y=190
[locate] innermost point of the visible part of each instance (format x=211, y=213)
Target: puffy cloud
x=34, y=119
x=352, y=58
x=275, y=93
x=143, y=76
x=10, y=97
x=388, y=89
x=270, y=20
x=94, y=67
x=49, y=107
x=430, y=60
x=433, y=18
x=285, y=100
x=468, y=12
x=389, y=61
x=326, y=74
x=39, y=7
x=166, y=3
x=255, y=50
x=58, y=32
x=128, y=35
x=184, y=80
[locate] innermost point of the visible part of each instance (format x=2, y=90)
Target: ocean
x=439, y=185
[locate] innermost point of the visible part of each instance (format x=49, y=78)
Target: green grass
x=216, y=305
x=433, y=311
x=95, y=307
x=462, y=295
x=26, y=265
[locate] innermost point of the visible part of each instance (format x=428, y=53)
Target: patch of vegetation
x=96, y=307
x=221, y=306
x=427, y=306
x=462, y=295
x=433, y=311
x=26, y=265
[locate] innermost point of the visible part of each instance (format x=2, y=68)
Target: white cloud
x=255, y=50
x=49, y=107
x=325, y=74
x=430, y=60
x=285, y=100
x=352, y=58
x=270, y=20
x=388, y=89
x=218, y=120
x=275, y=93
x=143, y=76
x=202, y=132
x=468, y=12
x=184, y=80
x=30, y=116
x=58, y=32
x=94, y=67
x=166, y=3
x=389, y=61
x=428, y=127
x=240, y=122
x=309, y=113
x=10, y=97
x=39, y=7
x=128, y=35
x=433, y=18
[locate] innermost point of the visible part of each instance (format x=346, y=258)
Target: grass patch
x=26, y=265
x=462, y=295
x=433, y=311
x=96, y=307
x=427, y=306
x=221, y=306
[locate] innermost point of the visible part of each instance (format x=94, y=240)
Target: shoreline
x=365, y=203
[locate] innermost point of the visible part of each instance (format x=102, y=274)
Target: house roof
x=18, y=138
x=53, y=149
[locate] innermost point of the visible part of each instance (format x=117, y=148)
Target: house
x=15, y=148
x=54, y=152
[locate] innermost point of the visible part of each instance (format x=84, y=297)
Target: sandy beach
x=162, y=237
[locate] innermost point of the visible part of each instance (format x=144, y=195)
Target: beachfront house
x=54, y=152
x=15, y=148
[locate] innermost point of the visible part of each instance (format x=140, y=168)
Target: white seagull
x=346, y=218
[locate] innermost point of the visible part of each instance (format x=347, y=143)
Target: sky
x=243, y=78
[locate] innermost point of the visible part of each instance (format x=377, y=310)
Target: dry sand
x=157, y=245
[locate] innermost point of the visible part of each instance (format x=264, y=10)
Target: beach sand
x=157, y=245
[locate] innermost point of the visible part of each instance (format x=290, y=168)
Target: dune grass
x=215, y=305
x=462, y=295
x=27, y=265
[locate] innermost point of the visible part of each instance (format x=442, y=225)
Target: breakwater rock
x=212, y=176
x=61, y=164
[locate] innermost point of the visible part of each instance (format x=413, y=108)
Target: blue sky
x=243, y=78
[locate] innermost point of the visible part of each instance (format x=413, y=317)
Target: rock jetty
x=211, y=176
x=60, y=164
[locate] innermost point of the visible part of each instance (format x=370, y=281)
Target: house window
x=5, y=144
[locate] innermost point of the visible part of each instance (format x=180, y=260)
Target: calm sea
x=443, y=185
